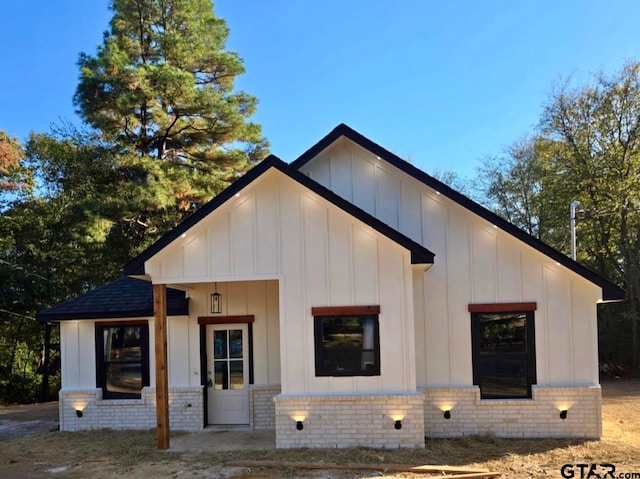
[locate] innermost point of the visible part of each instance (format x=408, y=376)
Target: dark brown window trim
x=502, y=307
x=345, y=310
x=124, y=322
x=249, y=318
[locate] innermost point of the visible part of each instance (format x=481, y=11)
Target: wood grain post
x=162, y=377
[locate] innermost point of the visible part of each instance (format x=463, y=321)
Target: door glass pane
x=220, y=345
x=237, y=376
x=221, y=376
x=235, y=343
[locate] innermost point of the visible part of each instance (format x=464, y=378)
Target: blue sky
x=442, y=83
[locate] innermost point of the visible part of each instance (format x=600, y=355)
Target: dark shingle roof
x=123, y=298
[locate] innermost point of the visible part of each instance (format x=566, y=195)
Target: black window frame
x=529, y=355
x=101, y=363
x=320, y=352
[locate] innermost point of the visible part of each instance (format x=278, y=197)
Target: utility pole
x=572, y=226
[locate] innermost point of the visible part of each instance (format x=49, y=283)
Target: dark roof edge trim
x=610, y=291
x=419, y=254
x=42, y=317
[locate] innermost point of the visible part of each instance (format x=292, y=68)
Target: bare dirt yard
x=32, y=448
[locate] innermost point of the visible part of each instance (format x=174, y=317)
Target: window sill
x=120, y=402
x=504, y=400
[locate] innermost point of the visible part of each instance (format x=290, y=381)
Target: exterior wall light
x=299, y=418
x=398, y=424
x=79, y=412
x=447, y=414
x=216, y=301
x=563, y=414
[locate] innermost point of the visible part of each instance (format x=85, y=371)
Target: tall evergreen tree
x=160, y=90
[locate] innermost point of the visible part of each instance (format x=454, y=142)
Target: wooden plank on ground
x=454, y=472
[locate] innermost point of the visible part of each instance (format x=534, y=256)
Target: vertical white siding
x=341, y=175
x=243, y=237
x=192, y=251
x=435, y=292
x=364, y=184
x=559, y=326
x=474, y=263
x=387, y=198
x=268, y=245
x=70, y=343
x=257, y=298
x=178, y=351
x=321, y=256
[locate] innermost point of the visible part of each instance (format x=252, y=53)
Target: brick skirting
x=350, y=420
x=186, y=411
x=538, y=417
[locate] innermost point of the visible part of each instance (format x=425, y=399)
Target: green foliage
x=587, y=148
x=161, y=88
x=165, y=132
x=14, y=178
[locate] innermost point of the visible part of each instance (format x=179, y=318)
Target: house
x=345, y=299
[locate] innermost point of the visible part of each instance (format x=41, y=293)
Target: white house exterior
x=362, y=303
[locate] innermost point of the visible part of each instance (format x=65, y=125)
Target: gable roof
x=610, y=291
x=419, y=254
x=123, y=298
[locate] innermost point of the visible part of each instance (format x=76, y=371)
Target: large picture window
x=347, y=344
x=504, y=362
x=122, y=362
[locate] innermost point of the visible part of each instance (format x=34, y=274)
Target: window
x=504, y=364
x=347, y=343
x=122, y=359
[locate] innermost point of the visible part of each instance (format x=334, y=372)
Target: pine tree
x=160, y=89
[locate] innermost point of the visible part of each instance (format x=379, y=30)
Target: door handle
x=210, y=383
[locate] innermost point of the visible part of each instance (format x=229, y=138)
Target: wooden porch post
x=162, y=379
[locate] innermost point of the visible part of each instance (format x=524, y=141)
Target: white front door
x=228, y=373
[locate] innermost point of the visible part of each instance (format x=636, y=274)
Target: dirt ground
x=31, y=447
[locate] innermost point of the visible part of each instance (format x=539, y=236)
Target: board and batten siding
x=474, y=263
x=321, y=256
x=78, y=341
x=258, y=298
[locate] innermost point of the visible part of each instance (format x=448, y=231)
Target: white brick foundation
x=350, y=420
x=186, y=410
x=262, y=408
x=536, y=417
